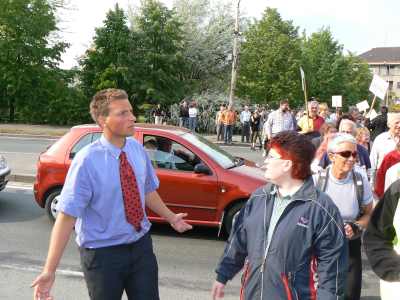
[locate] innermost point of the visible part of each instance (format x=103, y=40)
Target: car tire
x=51, y=202
x=229, y=219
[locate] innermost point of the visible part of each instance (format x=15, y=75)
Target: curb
x=24, y=178
x=25, y=135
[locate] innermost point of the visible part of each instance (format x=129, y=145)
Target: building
x=385, y=62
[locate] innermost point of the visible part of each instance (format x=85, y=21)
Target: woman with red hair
x=289, y=235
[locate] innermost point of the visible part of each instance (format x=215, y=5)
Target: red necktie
x=130, y=193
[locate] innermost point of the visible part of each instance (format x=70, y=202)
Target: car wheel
x=230, y=218
x=51, y=202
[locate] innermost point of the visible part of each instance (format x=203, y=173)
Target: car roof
x=141, y=126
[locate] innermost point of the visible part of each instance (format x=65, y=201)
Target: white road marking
x=23, y=153
x=19, y=187
x=39, y=270
x=28, y=138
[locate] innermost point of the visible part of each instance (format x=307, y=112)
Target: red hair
x=297, y=148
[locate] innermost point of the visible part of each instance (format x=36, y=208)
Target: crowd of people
x=313, y=245
x=329, y=192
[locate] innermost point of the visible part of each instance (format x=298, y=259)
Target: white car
x=4, y=172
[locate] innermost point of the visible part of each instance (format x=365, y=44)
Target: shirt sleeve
x=77, y=191
x=151, y=183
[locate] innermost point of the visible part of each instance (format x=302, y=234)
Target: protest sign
x=363, y=105
x=336, y=101
x=379, y=87
x=371, y=114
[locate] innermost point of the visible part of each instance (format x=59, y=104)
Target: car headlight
x=3, y=162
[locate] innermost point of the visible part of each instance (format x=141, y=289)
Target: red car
x=196, y=176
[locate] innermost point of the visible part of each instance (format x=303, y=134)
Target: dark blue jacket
x=310, y=227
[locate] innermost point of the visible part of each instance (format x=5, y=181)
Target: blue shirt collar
x=114, y=150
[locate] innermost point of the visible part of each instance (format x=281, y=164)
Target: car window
x=166, y=153
x=85, y=140
x=96, y=136
x=220, y=156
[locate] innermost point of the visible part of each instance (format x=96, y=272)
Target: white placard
x=336, y=101
x=379, y=87
x=371, y=115
x=363, y=105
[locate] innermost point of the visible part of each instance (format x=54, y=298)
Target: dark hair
x=297, y=148
x=284, y=101
x=343, y=117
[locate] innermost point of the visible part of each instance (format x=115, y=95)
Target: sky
x=358, y=25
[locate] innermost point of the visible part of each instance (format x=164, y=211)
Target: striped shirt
x=279, y=121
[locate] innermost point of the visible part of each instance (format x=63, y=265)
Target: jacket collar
x=307, y=192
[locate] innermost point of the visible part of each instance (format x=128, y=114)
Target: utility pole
x=235, y=56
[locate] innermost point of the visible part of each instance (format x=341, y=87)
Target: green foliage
x=269, y=61
x=207, y=29
x=160, y=46
x=329, y=72
x=27, y=53
x=108, y=63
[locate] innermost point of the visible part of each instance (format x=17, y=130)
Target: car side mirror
x=202, y=169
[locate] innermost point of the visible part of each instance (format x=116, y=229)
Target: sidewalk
x=33, y=130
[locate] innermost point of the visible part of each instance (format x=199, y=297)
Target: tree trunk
x=11, y=108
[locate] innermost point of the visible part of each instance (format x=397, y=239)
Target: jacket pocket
x=245, y=278
x=289, y=290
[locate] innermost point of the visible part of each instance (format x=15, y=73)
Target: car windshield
x=221, y=157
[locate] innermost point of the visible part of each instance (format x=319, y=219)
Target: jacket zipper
x=265, y=241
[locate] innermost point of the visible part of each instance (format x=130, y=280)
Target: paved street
x=186, y=261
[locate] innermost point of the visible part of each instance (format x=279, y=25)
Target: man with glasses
x=352, y=194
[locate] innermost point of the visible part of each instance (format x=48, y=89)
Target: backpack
x=357, y=180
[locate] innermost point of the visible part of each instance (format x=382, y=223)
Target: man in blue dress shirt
x=115, y=255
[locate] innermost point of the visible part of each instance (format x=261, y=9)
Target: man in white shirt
x=279, y=120
x=245, y=121
x=384, y=143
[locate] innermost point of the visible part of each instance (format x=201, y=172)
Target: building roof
x=382, y=55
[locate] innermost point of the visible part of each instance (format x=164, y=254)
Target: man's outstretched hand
x=179, y=224
x=42, y=286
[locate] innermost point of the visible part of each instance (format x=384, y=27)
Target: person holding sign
x=379, y=124
x=311, y=124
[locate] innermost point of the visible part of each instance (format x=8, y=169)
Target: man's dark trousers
x=132, y=267
x=246, y=131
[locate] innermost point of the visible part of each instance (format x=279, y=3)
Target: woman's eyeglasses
x=347, y=154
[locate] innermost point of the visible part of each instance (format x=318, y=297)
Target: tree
x=160, y=46
x=207, y=33
x=27, y=52
x=330, y=72
x=109, y=63
x=269, y=61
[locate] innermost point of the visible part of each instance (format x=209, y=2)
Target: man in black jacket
x=379, y=124
x=382, y=244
